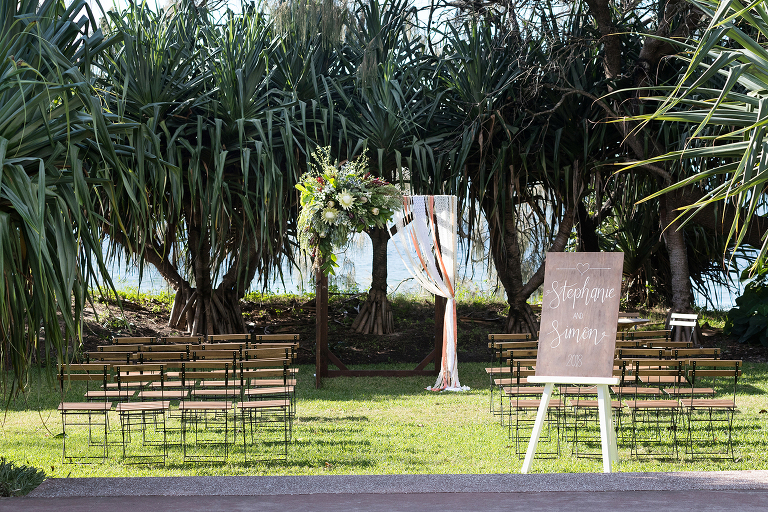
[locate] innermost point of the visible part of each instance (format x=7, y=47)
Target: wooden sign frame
x=577, y=338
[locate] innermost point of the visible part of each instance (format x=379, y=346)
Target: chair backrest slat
x=223, y=338
x=683, y=323
x=274, y=337
x=133, y=340
x=183, y=340
x=685, y=316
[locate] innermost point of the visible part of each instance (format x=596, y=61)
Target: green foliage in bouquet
x=337, y=201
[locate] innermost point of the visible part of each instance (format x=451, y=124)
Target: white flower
x=375, y=211
x=346, y=199
x=363, y=199
x=331, y=204
x=330, y=215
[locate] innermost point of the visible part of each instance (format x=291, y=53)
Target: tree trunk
x=375, y=315
x=682, y=293
x=505, y=251
x=201, y=309
x=587, y=230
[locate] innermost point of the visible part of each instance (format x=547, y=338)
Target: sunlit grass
x=373, y=426
x=151, y=300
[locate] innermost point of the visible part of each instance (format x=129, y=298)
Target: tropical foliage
x=722, y=95
x=204, y=193
x=749, y=319
x=179, y=137
x=52, y=153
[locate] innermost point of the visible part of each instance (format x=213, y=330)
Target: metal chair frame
x=92, y=411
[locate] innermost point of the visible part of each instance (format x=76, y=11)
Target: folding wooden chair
x=94, y=415
x=269, y=379
x=151, y=415
x=158, y=384
x=631, y=387
x=514, y=358
x=496, y=344
x=582, y=401
x=94, y=373
x=523, y=403
x=205, y=428
x=710, y=419
x=150, y=419
x=213, y=379
x=265, y=426
x=654, y=416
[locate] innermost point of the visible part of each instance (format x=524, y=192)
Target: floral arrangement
x=337, y=201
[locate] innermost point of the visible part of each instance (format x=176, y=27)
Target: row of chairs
x=210, y=338
x=240, y=380
x=507, y=348
x=661, y=391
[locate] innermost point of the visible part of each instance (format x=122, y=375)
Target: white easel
x=607, y=432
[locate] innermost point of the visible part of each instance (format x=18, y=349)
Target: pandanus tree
x=385, y=112
x=525, y=154
x=721, y=97
x=52, y=152
x=308, y=66
x=205, y=196
x=608, y=35
x=632, y=60
x=634, y=228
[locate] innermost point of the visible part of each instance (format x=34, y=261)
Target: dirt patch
x=731, y=348
x=412, y=341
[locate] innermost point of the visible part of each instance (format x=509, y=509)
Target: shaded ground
x=412, y=341
x=732, y=349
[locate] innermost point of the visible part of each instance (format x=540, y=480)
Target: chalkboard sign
x=579, y=312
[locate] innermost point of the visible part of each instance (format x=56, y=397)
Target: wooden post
x=440, y=303
x=321, y=326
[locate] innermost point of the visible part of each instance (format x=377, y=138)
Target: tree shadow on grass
x=333, y=419
x=748, y=389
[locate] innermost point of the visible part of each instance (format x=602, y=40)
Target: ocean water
x=354, y=274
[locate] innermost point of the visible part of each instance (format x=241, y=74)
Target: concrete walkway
x=745, y=491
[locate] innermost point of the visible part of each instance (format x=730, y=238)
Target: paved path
x=745, y=491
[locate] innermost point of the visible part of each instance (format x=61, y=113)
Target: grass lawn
x=374, y=426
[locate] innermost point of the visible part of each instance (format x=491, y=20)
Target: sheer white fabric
x=426, y=240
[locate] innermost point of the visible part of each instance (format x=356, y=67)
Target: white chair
x=685, y=321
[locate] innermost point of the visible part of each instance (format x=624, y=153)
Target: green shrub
x=18, y=480
x=749, y=319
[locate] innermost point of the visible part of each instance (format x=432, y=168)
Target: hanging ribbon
x=426, y=238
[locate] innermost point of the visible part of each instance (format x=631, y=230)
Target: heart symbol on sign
x=582, y=267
